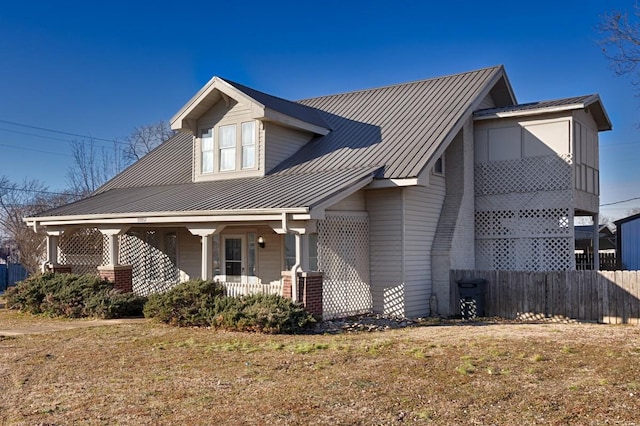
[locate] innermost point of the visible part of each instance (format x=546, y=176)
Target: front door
x=233, y=267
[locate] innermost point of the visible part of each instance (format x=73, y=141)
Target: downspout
x=296, y=265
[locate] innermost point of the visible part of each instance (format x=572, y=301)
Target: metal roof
x=394, y=131
x=400, y=127
x=284, y=106
x=262, y=193
x=169, y=163
x=578, y=102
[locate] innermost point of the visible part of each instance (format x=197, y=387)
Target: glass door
x=233, y=267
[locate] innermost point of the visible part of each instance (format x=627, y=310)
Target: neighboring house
x=584, y=239
x=383, y=191
x=628, y=250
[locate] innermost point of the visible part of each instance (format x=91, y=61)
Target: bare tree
x=92, y=166
x=22, y=200
x=622, y=42
x=145, y=138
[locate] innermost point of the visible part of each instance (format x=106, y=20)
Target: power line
x=620, y=202
x=38, y=191
x=61, y=132
x=36, y=150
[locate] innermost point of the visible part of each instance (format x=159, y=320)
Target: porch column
x=53, y=238
x=206, y=233
x=120, y=275
x=596, y=242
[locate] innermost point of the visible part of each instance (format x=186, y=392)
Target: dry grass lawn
x=147, y=373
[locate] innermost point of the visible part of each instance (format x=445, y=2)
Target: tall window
x=227, y=141
x=249, y=145
x=207, y=151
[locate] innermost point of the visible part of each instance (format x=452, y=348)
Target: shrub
x=72, y=296
x=202, y=303
x=186, y=304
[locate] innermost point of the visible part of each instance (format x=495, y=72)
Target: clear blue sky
x=102, y=68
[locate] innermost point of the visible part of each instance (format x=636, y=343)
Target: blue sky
x=102, y=68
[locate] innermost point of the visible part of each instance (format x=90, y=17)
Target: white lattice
x=82, y=249
x=531, y=174
x=153, y=271
x=524, y=214
x=343, y=256
x=523, y=223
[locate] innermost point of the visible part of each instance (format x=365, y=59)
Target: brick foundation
x=120, y=275
x=309, y=291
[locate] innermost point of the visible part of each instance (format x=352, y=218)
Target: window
x=207, y=151
x=249, y=145
x=227, y=141
x=289, y=251
x=438, y=168
x=313, y=252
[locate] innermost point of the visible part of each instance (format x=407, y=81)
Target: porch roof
x=299, y=193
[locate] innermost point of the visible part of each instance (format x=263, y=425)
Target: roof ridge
x=388, y=86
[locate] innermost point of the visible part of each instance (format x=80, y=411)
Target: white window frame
x=243, y=146
x=212, y=150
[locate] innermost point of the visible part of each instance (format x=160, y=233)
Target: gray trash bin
x=472, y=297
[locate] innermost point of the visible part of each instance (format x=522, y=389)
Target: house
x=367, y=199
x=584, y=247
x=628, y=247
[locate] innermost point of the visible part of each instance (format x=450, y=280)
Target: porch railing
x=244, y=289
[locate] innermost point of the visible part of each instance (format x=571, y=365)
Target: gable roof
x=402, y=127
x=392, y=132
x=263, y=106
x=592, y=102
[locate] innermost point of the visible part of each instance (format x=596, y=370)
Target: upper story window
x=227, y=147
x=233, y=148
x=207, y=150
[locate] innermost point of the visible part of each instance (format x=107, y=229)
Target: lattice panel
x=525, y=254
x=82, y=249
x=531, y=174
x=343, y=256
x=153, y=271
x=523, y=223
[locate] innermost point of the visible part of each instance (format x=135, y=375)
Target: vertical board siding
x=610, y=297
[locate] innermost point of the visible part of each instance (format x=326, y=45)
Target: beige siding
x=487, y=102
x=220, y=114
x=189, y=254
x=281, y=143
x=270, y=261
x=422, y=211
x=354, y=202
x=385, y=253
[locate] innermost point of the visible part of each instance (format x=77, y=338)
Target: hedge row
x=73, y=296
x=193, y=303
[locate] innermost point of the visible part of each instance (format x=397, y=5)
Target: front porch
x=247, y=258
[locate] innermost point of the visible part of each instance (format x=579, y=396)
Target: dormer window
x=230, y=150
x=207, y=150
x=249, y=145
x=227, y=147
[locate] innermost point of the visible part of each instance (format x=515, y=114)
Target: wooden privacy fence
x=611, y=297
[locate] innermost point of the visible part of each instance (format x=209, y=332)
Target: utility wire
x=61, y=132
x=36, y=150
x=620, y=202
x=39, y=191
x=51, y=137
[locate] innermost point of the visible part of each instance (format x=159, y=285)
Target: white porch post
x=206, y=233
x=53, y=237
x=596, y=242
x=112, y=234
